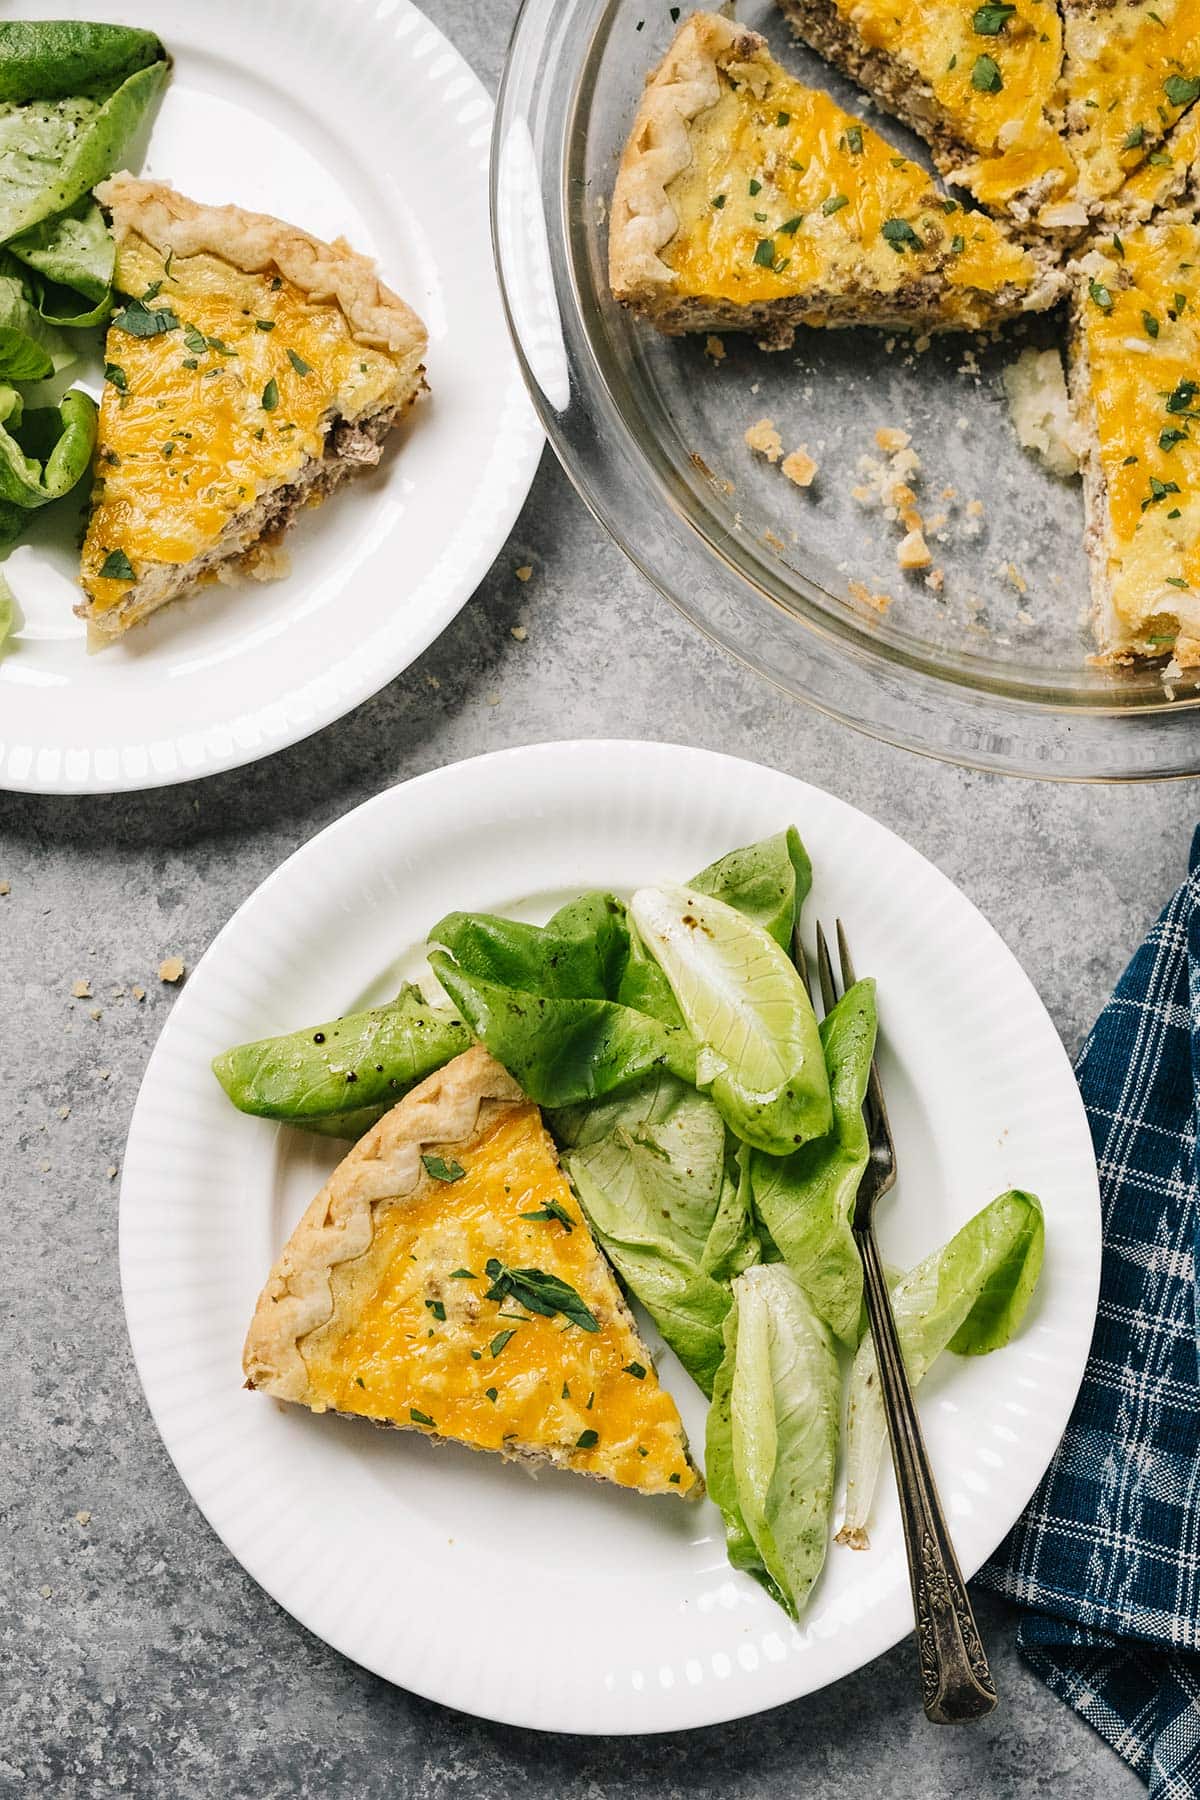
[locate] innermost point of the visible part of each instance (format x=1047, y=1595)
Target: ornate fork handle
x=955, y=1679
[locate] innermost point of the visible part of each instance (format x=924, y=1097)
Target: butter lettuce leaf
x=543, y=1000
x=339, y=1077
x=651, y=1167
x=767, y=882
x=44, y=451
x=970, y=1296
x=805, y=1202
x=758, y=1049
x=772, y=1440
x=71, y=97
x=68, y=264
x=8, y=612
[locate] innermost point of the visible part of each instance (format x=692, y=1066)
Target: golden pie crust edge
x=449, y=1107
x=642, y=220
x=256, y=242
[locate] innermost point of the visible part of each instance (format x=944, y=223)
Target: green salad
x=72, y=98
x=712, y=1131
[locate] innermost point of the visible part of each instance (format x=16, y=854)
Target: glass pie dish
x=987, y=666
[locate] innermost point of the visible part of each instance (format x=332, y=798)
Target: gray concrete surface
x=135, y=1656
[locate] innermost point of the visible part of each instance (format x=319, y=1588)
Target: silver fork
x=956, y=1682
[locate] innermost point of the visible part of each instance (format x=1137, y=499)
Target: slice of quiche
x=1167, y=178
x=746, y=200
x=978, y=81
x=1135, y=389
x=1132, y=69
x=250, y=369
x=445, y=1280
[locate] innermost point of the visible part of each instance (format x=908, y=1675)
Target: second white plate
x=561, y=1604
x=344, y=117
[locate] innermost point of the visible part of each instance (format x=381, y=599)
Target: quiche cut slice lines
x=747, y=200
x=249, y=370
x=445, y=1281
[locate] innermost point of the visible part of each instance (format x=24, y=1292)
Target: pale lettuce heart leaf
x=805, y=1202
x=758, y=1048
x=650, y=1167
x=970, y=1296
x=44, y=451
x=71, y=97
x=69, y=263
x=8, y=612
x=30, y=348
x=771, y=1453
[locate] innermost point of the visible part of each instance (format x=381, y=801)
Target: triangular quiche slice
x=749, y=201
x=445, y=1281
x=980, y=82
x=1135, y=390
x=250, y=368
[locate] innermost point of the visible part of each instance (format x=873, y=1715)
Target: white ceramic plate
x=435, y=1566
x=350, y=116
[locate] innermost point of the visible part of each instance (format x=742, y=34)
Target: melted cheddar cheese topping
x=785, y=192
x=226, y=394
x=1161, y=179
x=993, y=72
x=1132, y=69
x=415, y=1340
x=1140, y=328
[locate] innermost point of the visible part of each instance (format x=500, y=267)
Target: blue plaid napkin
x=1107, y=1556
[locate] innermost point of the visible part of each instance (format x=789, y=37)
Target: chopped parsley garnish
x=438, y=1310
x=854, y=138
x=1129, y=460
x=953, y=63
x=1180, y=302
x=419, y=1418
x=501, y=1338
x=553, y=1209
x=566, y=1392
x=834, y=203
x=764, y=253
x=1181, y=90
x=1151, y=324
x=792, y=226
x=783, y=118
x=755, y=186
x=635, y=1369
x=298, y=363
x=958, y=243
x=264, y=324
x=359, y=1382
x=1180, y=399
x=152, y=291
x=1118, y=247
x=539, y=1293
x=189, y=362
x=1100, y=295
x=674, y=14
x=462, y=1275
x=674, y=1479
x=117, y=567
x=168, y=448
x=115, y=374
x=491, y=1394
x=1159, y=491
x=901, y=236
x=195, y=340
x=270, y=400
x=1136, y=138
x=985, y=76
x=1158, y=159
x=718, y=201
x=1170, y=435
x=437, y=1166
x=990, y=20
x=587, y=1440
x=139, y=320
x=1176, y=581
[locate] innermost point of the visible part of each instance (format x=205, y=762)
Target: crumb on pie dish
x=249, y=370
x=445, y=1281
